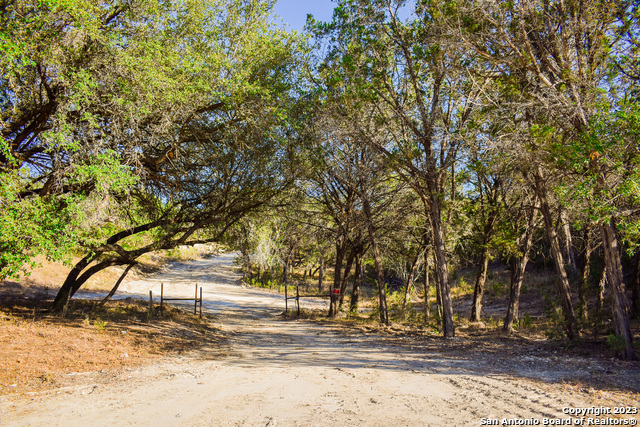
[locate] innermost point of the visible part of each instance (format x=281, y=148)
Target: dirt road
x=296, y=373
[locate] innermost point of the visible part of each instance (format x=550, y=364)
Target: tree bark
x=519, y=266
x=382, y=296
x=564, y=288
x=601, y=288
x=337, y=277
x=407, y=289
x=585, y=275
x=285, y=268
x=117, y=285
x=320, y=275
x=345, y=276
x=442, y=268
x=73, y=282
x=478, y=289
x=437, y=287
x=357, y=281
x=616, y=283
x=572, y=265
x=426, y=285
x=67, y=289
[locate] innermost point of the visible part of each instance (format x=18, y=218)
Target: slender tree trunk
x=320, y=275
x=478, y=289
x=442, y=268
x=514, y=294
x=345, y=276
x=564, y=288
x=382, y=296
x=567, y=249
x=585, y=276
x=438, y=299
x=285, y=268
x=115, y=287
x=426, y=285
x=616, y=283
x=601, y=288
x=357, y=281
x=407, y=290
x=337, y=277
x=519, y=266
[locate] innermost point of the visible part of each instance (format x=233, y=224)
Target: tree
x=413, y=73
x=172, y=112
x=557, y=54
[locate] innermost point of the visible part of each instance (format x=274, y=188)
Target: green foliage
x=607, y=159
x=33, y=226
x=115, y=114
x=100, y=325
x=523, y=323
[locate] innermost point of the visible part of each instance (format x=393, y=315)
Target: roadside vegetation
x=41, y=351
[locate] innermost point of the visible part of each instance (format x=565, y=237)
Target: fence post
x=195, y=304
x=161, y=296
x=286, y=300
x=150, y=304
x=298, y=298
x=201, y=302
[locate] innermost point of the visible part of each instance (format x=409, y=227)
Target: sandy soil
x=275, y=371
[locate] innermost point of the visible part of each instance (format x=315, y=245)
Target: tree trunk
x=407, y=290
x=357, y=281
x=67, y=289
x=74, y=281
x=519, y=266
x=601, y=287
x=585, y=276
x=478, y=289
x=115, y=287
x=564, y=288
x=320, y=275
x=426, y=285
x=337, y=277
x=569, y=253
x=382, y=296
x=442, y=269
x=438, y=299
x=345, y=276
x=285, y=268
x=616, y=283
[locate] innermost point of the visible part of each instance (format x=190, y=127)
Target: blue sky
x=294, y=12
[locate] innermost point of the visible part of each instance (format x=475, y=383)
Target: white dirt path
x=295, y=373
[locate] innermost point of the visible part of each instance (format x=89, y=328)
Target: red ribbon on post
x=336, y=291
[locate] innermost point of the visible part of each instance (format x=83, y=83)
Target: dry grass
x=41, y=351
